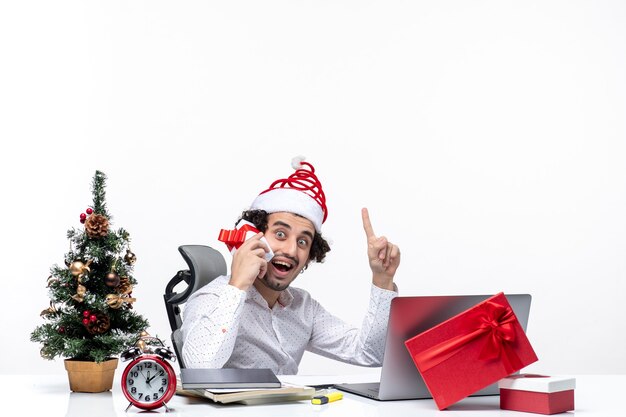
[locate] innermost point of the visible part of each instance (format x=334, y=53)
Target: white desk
x=49, y=396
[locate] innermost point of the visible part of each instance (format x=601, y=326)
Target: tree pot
x=89, y=376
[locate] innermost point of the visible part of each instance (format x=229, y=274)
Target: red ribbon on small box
x=494, y=322
x=234, y=238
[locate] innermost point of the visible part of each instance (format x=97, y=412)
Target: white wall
x=486, y=137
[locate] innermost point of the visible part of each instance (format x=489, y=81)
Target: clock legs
x=163, y=404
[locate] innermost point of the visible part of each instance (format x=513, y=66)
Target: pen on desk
x=328, y=398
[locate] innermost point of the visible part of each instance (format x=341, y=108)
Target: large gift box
x=471, y=350
x=540, y=394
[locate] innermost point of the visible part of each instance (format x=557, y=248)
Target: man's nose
x=290, y=247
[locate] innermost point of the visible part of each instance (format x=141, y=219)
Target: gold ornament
x=80, y=293
x=50, y=310
x=141, y=345
x=51, y=280
x=78, y=268
x=118, y=300
x=130, y=257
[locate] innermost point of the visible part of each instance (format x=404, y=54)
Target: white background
x=487, y=139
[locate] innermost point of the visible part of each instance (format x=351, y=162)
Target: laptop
x=409, y=316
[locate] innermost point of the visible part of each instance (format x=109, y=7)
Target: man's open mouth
x=282, y=266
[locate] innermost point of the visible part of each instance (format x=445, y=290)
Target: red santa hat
x=301, y=193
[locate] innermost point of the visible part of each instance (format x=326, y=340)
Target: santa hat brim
x=291, y=201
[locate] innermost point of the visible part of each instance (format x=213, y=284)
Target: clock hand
x=142, y=374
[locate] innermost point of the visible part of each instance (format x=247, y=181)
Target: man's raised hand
x=384, y=256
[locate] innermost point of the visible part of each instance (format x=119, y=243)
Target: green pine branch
x=98, y=190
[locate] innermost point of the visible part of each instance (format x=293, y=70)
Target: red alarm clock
x=148, y=381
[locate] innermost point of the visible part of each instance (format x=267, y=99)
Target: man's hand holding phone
x=249, y=262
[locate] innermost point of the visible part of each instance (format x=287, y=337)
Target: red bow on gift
x=495, y=323
x=234, y=238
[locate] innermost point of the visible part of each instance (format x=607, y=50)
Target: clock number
x=164, y=381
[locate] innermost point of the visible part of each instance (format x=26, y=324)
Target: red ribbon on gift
x=234, y=238
x=493, y=321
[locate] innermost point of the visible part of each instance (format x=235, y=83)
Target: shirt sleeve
x=333, y=338
x=211, y=321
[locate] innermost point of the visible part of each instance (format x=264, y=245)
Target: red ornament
x=89, y=210
x=93, y=318
x=85, y=321
x=61, y=330
x=82, y=221
x=83, y=216
x=86, y=313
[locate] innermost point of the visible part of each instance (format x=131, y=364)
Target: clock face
x=148, y=382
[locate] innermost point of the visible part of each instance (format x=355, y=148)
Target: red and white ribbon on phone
x=234, y=238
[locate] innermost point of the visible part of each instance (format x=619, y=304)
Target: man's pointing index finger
x=367, y=225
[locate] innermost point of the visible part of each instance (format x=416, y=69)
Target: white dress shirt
x=224, y=326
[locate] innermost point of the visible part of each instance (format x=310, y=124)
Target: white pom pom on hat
x=301, y=193
x=296, y=162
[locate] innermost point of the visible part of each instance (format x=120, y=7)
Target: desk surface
x=49, y=395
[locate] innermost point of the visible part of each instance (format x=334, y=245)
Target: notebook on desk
x=192, y=378
x=399, y=378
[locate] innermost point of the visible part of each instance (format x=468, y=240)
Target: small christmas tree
x=91, y=315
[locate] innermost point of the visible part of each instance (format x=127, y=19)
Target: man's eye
x=303, y=242
x=280, y=234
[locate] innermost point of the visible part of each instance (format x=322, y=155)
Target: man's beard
x=274, y=284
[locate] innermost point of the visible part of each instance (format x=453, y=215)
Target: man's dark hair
x=319, y=247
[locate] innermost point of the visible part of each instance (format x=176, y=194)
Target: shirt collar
x=284, y=299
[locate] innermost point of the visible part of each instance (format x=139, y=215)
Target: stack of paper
x=250, y=396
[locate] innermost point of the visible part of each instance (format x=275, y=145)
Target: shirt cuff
x=231, y=295
x=231, y=290
x=378, y=293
